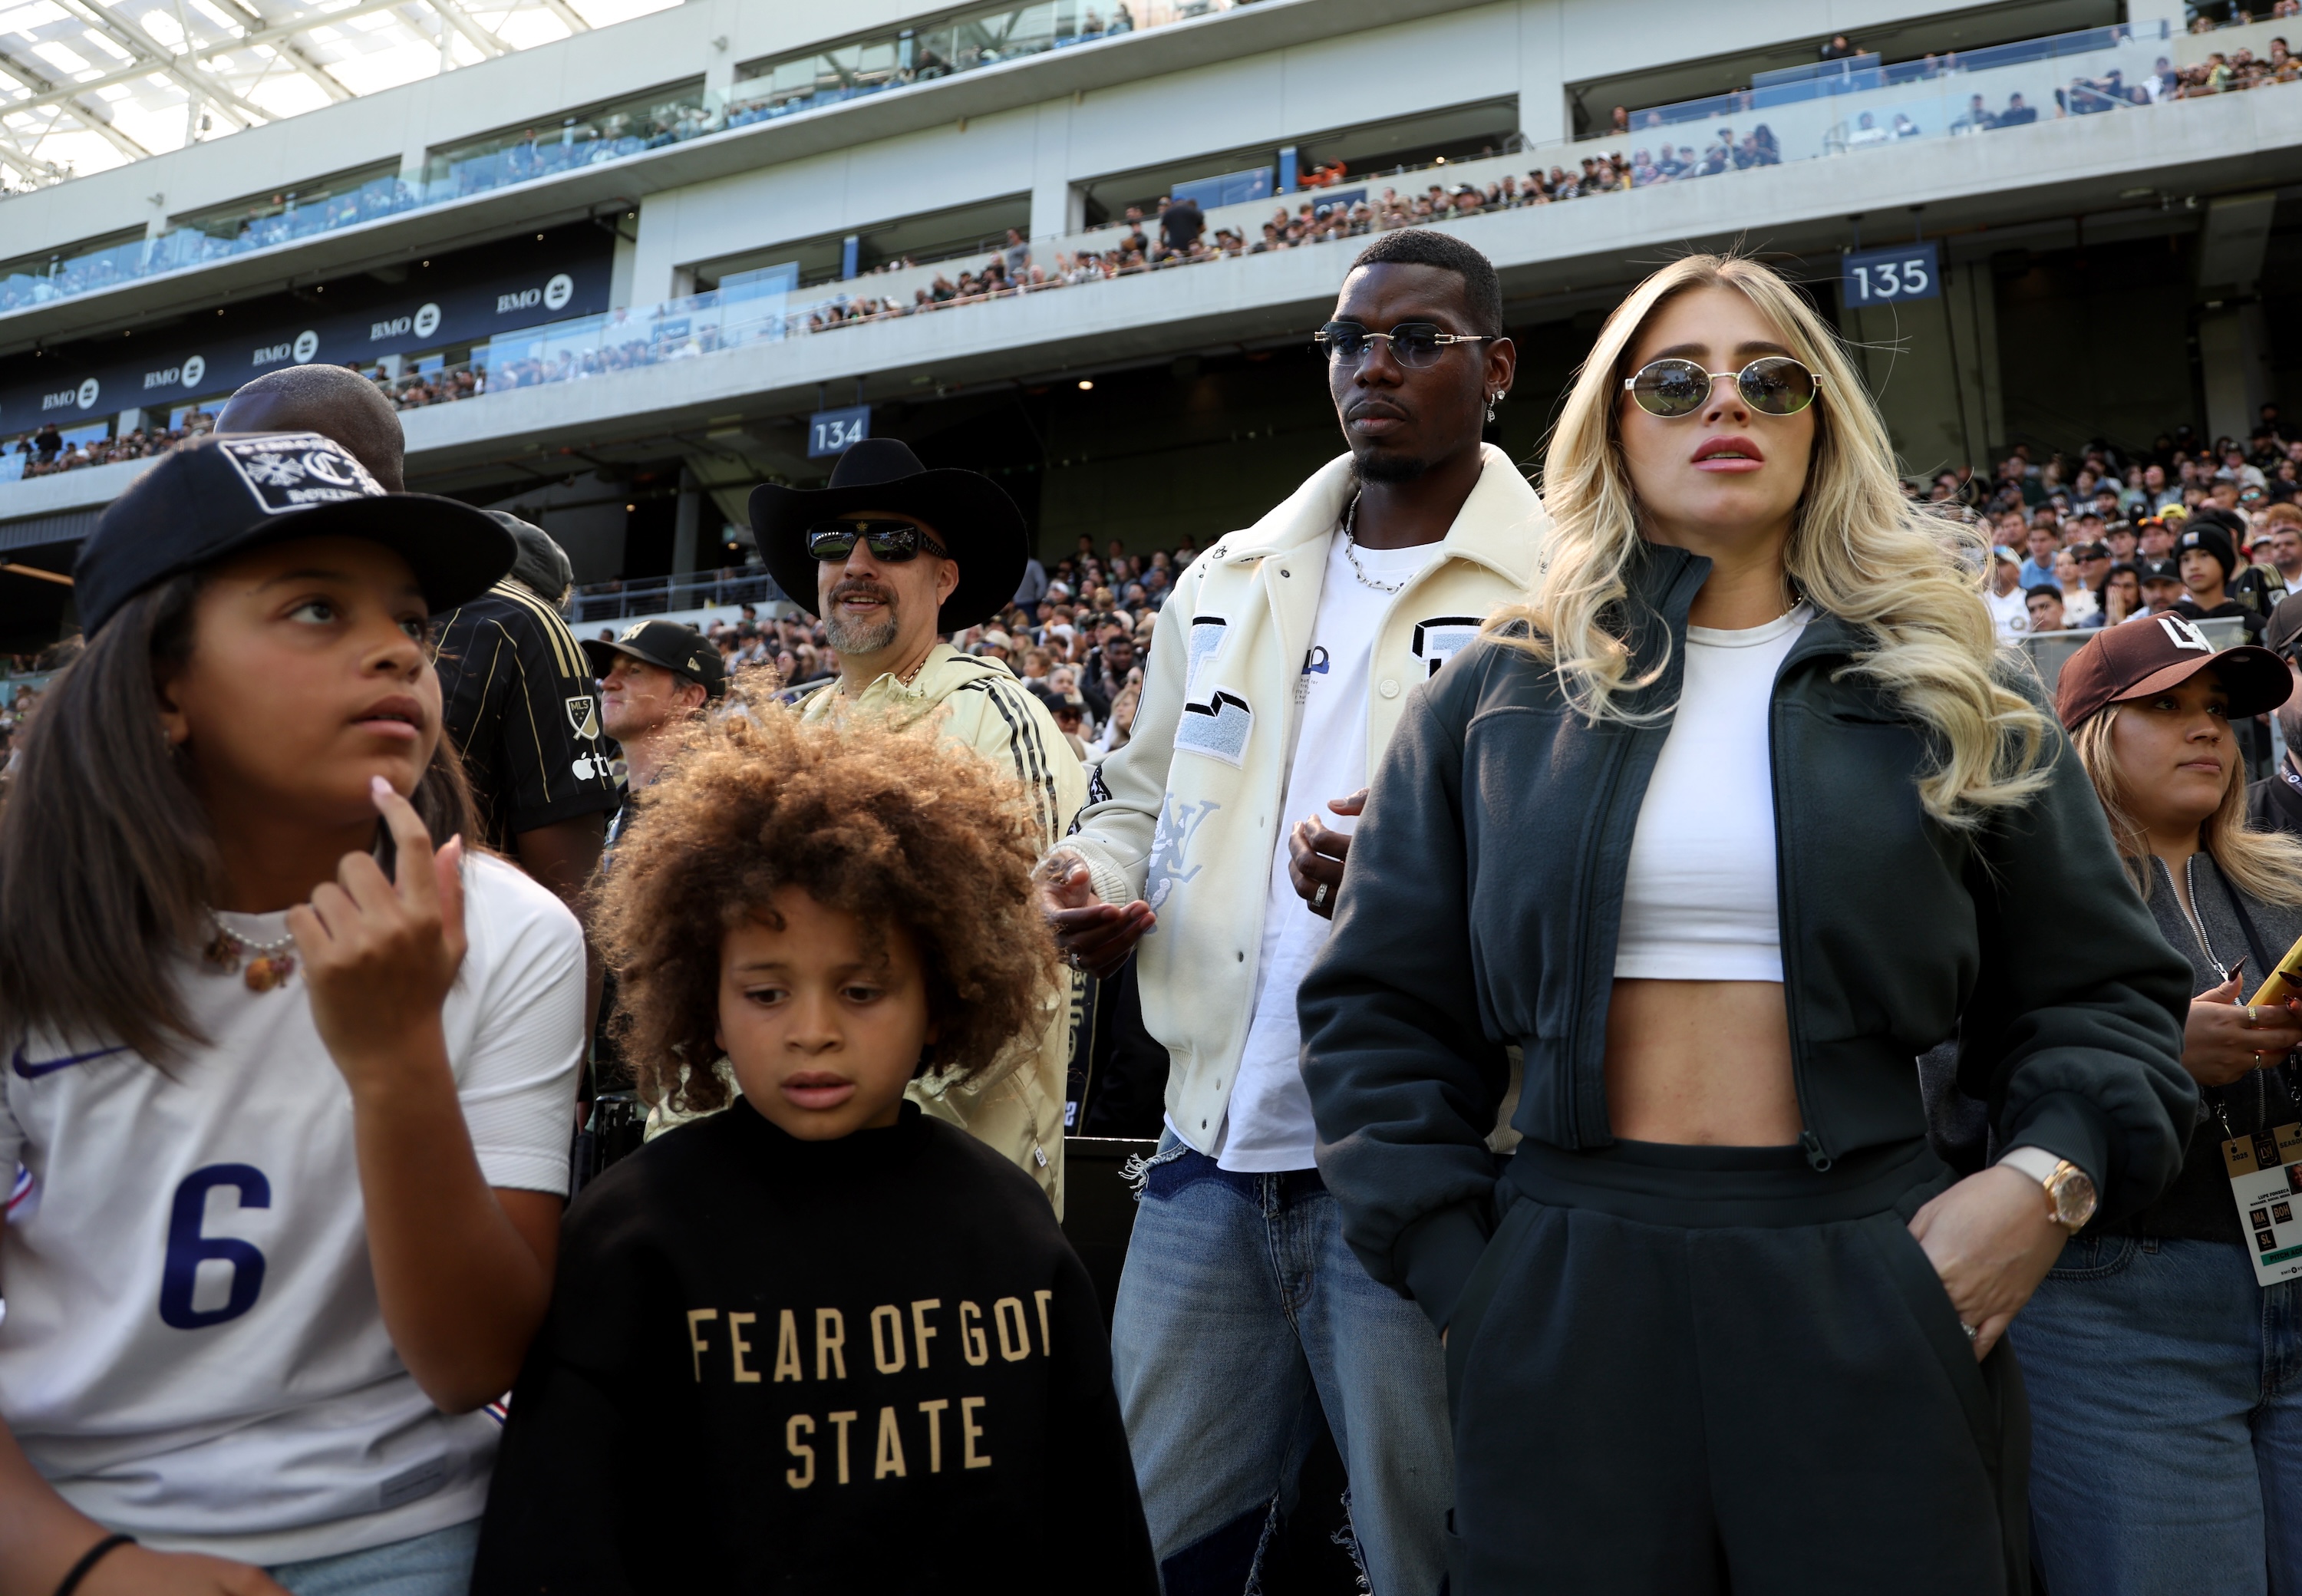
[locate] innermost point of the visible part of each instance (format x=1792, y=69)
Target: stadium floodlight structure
x=87, y=85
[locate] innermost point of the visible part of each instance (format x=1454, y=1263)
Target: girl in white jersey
x=291, y=1091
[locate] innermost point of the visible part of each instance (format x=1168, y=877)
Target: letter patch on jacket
x=1442, y=637
x=1217, y=729
x=1207, y=634
x=1171, y=843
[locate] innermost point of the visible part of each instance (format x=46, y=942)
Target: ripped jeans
x=1241, y=1308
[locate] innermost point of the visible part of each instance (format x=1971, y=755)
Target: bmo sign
x=188, y=375
x=553, y=295
x=82, y=398
x=423, y=323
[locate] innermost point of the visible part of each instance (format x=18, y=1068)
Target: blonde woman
x=1738, y=814
x=2169, y=1446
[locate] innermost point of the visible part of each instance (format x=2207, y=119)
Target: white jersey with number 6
x=192, y=1351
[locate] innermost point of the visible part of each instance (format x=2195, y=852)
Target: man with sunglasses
x=893, y=558
x=1213, y=852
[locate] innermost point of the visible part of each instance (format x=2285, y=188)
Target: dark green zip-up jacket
x=1485, y=892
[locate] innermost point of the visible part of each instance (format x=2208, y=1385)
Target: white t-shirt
x=2009, y=612
x=193, y=1352
x=1698, y=900
x=1268, y=1127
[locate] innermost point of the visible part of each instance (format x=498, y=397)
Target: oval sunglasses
x=1772, y=385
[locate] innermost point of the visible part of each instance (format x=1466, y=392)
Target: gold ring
x=2251, y=1020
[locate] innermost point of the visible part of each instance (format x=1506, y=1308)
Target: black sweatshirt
x=864, y=1366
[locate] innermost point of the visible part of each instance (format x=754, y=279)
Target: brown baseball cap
x=2153, y=652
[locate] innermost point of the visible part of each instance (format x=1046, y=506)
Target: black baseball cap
x=668, y=645
x=215, y=497
x=2147, y=571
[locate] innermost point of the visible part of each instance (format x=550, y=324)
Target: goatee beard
x=865, y=638
x=1388, y=469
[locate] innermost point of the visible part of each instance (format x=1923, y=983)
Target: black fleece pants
x=1681, y=1371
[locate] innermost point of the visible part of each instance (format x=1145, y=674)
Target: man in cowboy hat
x=893, y=556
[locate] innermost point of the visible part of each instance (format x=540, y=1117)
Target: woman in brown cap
x=2167, y=1449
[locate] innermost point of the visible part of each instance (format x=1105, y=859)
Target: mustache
x=856, y=586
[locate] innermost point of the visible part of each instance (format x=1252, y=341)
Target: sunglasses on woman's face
x=1772, y=385
x=891, y=542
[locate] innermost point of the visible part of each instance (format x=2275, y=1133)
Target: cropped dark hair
x=896, y=828
x=107, y=866
x=1482, y=291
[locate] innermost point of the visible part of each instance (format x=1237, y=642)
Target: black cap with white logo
x=215, y=497
x=682, y=650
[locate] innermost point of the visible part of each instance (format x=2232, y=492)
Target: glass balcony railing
x=1844, y=106
x=614, y=131
x=985, y=35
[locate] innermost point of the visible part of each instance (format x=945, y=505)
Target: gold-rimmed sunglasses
x=1772, y=385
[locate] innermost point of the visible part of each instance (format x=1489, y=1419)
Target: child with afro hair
x=817, y=1341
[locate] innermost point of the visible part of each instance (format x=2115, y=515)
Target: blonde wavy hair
x=1859, y=549
x=2264, y=864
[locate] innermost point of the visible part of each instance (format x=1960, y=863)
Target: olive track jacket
x=1484, y=897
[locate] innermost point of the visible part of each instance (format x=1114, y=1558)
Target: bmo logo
x=82, y=398
x=553, y=295
x=424, y=323
x=187, y=375
x=299, y=349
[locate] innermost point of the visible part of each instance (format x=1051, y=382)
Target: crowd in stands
x=2086, y=541
x=46, y=451
x=1076, y=636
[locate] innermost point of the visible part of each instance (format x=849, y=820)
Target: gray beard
x=850, y=639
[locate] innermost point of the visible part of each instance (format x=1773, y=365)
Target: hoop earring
x=1493, y=400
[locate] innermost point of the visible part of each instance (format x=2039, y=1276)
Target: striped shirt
x=524, y=709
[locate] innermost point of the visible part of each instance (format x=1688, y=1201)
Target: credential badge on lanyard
x=2265, y=1177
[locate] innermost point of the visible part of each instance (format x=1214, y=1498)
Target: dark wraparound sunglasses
x=891, y=542
x=1415, y=344
x=1772, y=385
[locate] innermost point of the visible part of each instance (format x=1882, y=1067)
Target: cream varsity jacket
x=1185, y=816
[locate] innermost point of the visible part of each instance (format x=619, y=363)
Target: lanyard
x=2262, y=964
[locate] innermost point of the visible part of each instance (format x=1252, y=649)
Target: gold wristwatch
x=2071, y=1196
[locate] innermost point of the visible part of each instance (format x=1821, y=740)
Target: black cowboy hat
x=970, y=516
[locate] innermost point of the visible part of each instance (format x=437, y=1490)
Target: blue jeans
x=439, y=1564
x=2166, y=1410
x=1241, y=1318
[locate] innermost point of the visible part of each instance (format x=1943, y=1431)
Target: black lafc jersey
x=525, y=711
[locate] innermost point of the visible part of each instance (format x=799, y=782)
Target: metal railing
x=671, y=595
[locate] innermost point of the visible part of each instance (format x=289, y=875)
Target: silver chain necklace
x=1351, y=553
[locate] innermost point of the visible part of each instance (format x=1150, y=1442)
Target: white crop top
x=1698, y=904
